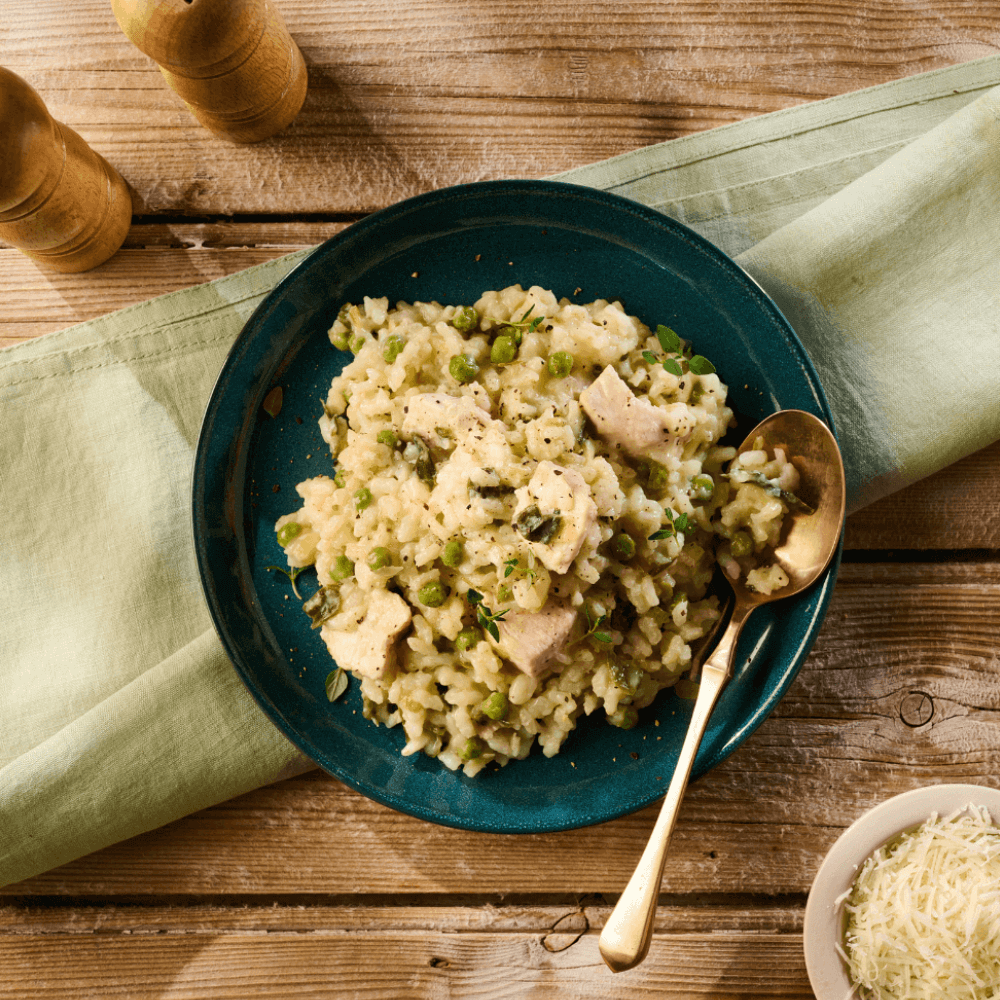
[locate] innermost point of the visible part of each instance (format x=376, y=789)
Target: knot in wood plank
x=916, y=709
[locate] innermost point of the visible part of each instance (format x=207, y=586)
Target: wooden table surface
x=306, y=888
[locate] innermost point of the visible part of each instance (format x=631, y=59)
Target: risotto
x=529, y=501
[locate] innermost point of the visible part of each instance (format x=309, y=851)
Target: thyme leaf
x=336, y=683
x=292, y=574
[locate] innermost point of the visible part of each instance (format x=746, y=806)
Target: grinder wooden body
x=60, y=202
x=232, y=62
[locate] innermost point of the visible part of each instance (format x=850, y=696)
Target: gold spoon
x=809, y=542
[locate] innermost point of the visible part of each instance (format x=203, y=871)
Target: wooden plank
x=155, y=259
x=388, y=964
x=48, y=301
x=445, y=950
x=421, y=96
x=955, y=508
x=900, y=691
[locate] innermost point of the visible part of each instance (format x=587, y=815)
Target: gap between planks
x=702, y=914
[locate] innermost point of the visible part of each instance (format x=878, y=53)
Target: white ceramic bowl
x=824, y=923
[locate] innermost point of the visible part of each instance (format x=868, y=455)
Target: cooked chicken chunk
x=633, y=425
x=533, y=640
x=432, y=413
x=371, y=649
x=555, y=512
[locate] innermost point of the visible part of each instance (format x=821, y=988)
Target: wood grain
x=423, y=95
x=382, y=963
x=155, y=259
x=384, y=951
x=840, y=740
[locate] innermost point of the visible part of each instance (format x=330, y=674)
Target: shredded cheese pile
x=923, y=915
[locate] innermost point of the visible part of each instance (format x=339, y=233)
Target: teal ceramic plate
x=450, y=246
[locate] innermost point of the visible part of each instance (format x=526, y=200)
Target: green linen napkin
x=869, y=217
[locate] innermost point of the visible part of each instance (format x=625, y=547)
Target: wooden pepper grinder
x=60, y=202
x=232, y=62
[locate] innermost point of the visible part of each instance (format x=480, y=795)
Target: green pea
x=393, y=348
x=697, y=391
x=358, y=342
x=702, y=486
x=340, y=479
x=623, y=546
x=433, y=594
x=741, y=544
x=463, y=368
x=504, y=592
x=342, y=569
x=468, y=638
x=560, y=364
x=658, y=476
x=340, y=340
x=503, y=351
x=514, y=332
x=288, y=531
x=362, y=498
x=471, y=750
x=453, y=554
x=465, y=319
x=387, y=437
x=495, y=707
x=378, y=558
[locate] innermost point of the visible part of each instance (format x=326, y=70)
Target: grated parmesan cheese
x=923, y=914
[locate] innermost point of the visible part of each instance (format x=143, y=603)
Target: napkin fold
x=870, y=218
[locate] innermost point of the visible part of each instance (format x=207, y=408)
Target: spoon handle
x=626, y=936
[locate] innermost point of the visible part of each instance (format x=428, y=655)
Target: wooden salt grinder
x=61, y=203
x=232, y=62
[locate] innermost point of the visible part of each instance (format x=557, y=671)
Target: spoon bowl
x=809, y=541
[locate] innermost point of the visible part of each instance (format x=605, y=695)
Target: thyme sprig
x=597, y=628
x=292, y=575
x=528, y=326
x=671, y=344
x=484, y=616
x=514, y=563
x=676, y=524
